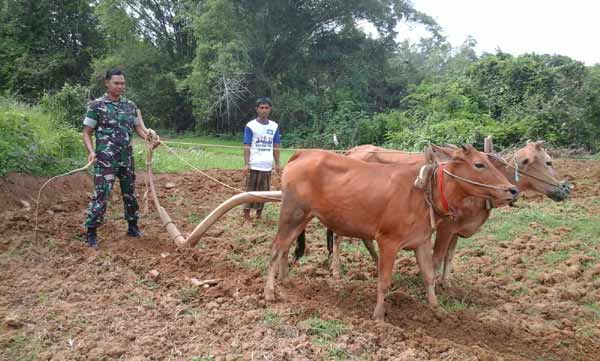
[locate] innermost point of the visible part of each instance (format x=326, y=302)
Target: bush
x=68, y=105
x=32, y=141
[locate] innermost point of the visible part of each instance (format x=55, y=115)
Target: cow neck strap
x=443, y=198
x=434, y=212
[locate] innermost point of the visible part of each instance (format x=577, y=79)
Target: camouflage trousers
x=105, y=173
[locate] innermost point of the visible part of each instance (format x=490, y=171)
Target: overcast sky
x=570, y=28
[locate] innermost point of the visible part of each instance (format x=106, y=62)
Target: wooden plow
x=194, y=237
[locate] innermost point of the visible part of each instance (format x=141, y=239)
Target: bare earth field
x=526, y=288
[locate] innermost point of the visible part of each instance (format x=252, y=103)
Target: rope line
x=37, y=203
x=519, y=172
x=237, y=146
x=473, y=182
x=289, y=149
x=206, y=175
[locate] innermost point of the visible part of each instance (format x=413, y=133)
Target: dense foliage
x=32, y=141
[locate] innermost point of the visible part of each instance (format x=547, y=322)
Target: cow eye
x=525, y=161
x=549, y=163
x=479, y=165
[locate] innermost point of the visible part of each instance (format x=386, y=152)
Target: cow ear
x=467, y=148
x=435, y=154
x=496, y=161
x=539, y=144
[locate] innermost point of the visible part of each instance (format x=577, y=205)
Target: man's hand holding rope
x=152, y=137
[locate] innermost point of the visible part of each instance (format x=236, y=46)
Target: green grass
x=202, y=358
x=594, y=307
x=20, y=348
x=355, y=246
x=567, y=221
x=451, y=304
x=337, y=353
x=271, y=319
x=556, y=257
x=407, y=282
x=508, y=223
x=148, y=283
x=253, y=263
x=199, y=154
x=193, y=218
x=324, y=331
x=188, y=294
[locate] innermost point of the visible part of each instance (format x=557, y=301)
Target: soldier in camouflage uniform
x=113, y=119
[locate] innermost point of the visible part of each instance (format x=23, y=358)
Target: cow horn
x=488, y=145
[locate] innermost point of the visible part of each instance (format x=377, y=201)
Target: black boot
x=133, y=230
x=90, y=237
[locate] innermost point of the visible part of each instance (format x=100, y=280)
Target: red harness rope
x=443, y=198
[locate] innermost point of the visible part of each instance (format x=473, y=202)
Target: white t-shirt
x=261, y=137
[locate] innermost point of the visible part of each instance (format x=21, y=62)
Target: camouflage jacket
x=113, y=123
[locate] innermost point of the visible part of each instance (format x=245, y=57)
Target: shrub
x=32, y=141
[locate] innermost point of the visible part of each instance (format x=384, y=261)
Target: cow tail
x=300, y=246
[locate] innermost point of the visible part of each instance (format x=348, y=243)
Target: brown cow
x=529, y=168
x=378, y=201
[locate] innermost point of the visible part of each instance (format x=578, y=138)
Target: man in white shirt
x=261, y=149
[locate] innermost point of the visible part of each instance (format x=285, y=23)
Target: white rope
x=237, y=146
x=208, y=176
x=289, y=149
x=473, y=182
x=519, y=172
x=37, y=205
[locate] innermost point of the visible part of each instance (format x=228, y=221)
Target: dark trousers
x=257, y=180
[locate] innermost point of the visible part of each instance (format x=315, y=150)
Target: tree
x=277, y=48
x=45, y=44
x=151, y=42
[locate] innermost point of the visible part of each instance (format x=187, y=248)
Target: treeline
x=198, y=65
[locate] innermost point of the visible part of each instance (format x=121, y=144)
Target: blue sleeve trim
x=277, y=137
x=248, y=135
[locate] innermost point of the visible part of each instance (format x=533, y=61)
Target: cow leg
x=424, y=260
x=371, y=248
x=335, y=267
x=447, y=275
x=387, y=257
x=291, y=224
x=443, y=238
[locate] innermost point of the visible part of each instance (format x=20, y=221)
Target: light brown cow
x=529, y=168
x=377, y=201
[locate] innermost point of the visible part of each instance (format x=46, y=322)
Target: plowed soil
x=134, y=299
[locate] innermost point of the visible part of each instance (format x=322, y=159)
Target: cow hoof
x=269, y=295
x=446, y=284
x=379, y=314
x=378, y=318
x=439, y=313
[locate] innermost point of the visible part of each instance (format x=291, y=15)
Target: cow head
x=480, y=178
x=536, y=172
